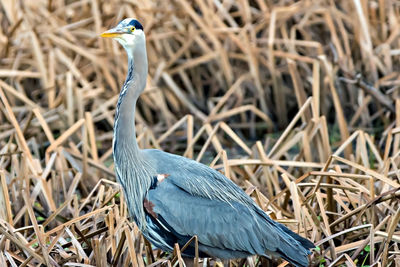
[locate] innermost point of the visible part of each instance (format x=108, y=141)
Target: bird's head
x=129, y=32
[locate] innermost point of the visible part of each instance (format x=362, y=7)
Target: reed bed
x=295, y=101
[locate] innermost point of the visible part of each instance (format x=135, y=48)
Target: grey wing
x=197, y=200
x=223, y=230
x=196, y=178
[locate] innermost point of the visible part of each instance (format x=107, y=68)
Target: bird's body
x=172, y=198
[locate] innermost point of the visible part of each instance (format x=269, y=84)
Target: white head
x=129, y=33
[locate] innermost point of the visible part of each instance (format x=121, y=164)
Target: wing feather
x=196, y=178
x=216, y=223
x=197, y=200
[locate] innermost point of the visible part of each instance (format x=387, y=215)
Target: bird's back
x=194, y=199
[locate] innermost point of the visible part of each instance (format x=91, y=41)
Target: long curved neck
x=133, y=171
x=124, y=126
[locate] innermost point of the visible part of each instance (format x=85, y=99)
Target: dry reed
x=224, y=76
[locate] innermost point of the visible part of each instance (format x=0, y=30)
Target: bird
x=172, y=198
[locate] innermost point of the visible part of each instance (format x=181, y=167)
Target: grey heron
x=172, y=198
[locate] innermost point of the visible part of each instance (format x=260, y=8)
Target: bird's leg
x=188, y=261
x=266, y=262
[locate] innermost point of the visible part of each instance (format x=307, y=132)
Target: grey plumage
x=192, y=199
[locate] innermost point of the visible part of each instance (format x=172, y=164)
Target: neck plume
x=133, y=171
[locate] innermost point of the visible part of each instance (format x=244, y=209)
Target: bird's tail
x=298, y=261
x=294, y=249
x=307, y=244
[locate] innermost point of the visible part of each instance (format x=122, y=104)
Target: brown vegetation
x=224, y=76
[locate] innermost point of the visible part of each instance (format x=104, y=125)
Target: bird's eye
x=132, y=28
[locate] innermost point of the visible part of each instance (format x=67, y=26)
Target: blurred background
x=295, y=101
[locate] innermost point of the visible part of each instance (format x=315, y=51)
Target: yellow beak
x=112, y=33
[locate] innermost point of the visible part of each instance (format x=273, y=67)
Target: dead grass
x=223, y=77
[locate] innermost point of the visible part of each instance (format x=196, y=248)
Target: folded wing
x=194, y=199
